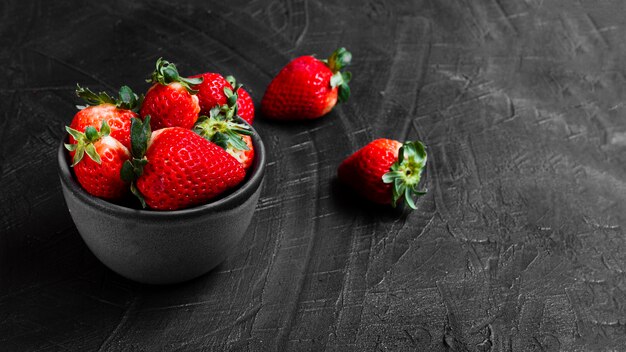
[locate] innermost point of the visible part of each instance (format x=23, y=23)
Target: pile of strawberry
x=188, y=140
x=185, y=143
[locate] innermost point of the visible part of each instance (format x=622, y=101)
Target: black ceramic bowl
x=162, y=247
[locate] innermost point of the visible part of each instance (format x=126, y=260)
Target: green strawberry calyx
x=232, y=95
x=223, y=129
x=132, y=169
x=339, y=59
x=85, y=142
x=166, y=73
x=230, y=109
x=233, y=82
x=126, y=98
x=406, y=172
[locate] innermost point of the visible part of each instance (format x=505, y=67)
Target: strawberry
x=214, y=91
x=245, y=105
x=179, y=169
x=385, y=170
x=99, y=173
x=220, y=128
x=171, y=101
x=308, y=88
x=102, y=107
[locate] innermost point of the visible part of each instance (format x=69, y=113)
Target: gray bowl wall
x=163, y=247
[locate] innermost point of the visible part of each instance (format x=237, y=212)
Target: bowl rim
x=232, y=200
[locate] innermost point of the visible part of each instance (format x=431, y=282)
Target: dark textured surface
x=518, y=246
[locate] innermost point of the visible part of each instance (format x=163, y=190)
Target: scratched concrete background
x=518, y=246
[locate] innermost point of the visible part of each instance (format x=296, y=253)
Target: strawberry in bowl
x=172, y=100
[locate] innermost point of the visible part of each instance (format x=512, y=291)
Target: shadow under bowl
x=163, y=247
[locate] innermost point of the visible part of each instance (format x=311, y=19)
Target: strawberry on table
x=99, y=172
x=211, y=93
x=171, y=101
x=308, y=88
x=386, y=171
x=174, y=168
x=117, y=112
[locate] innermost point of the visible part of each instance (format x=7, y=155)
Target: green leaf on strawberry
x=222, y=129
x=85, y=140
x=132, y=169
x=232, y=96
x=129, y=100
x=339, y=59
x=405, y=174
x=166, y=73
x=336, y=62
x=233, y=82
x=126, y=98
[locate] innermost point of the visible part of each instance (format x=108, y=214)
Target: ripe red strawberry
x=211, y=93
x=385, y=171
x=99, y=173
x=220, y=128
x=102, y=107
x=308, y=88
x=180, y=169
x=171, y=101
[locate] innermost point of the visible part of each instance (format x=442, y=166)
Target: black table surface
x=518, y=245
